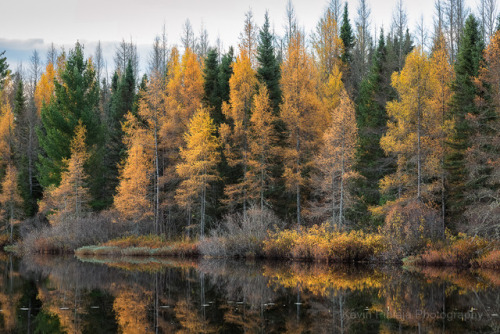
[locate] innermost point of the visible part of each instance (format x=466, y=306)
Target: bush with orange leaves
x=490, y=260
x=318, y=243
x=461, y=251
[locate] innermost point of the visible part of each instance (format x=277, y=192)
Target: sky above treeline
x=33, y=24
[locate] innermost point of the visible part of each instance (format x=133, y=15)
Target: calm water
x=63, y=294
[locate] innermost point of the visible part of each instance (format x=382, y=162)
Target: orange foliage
x=71, y=197
x=235, y=134
x=320, y=244
x=301, y=113
x=44, y=91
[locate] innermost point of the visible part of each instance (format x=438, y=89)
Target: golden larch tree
x=413, y=137
x=10, y=198
x=198, y=167
x=443, y=74
x=334, y=164
x=301, y=114
x=248, y=39
x=183, y=95
x=71, y=198
x=235, y=133
x=409, y=134
x=262, y=147
x=328, y=46
x=7, y=126
x=44, y=91
x=132, y=200
x=152, y=111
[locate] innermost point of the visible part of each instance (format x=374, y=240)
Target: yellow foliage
x=320, y=244
x=300, y=112
x=7, y=126
x=199, y=161
x=10, y=198
x=262, y=147
x=71, y=197
x=236, y=137
x=44, y=91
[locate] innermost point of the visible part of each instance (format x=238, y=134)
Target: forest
x=299, y=145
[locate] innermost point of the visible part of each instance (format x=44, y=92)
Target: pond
x=41, y=294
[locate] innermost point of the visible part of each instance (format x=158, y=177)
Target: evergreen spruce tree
x=4, y=69
x=121, y=102
x=269, y=68
x=372, y=164
x=21, y=152
x=225, y=72
x=347, y=37
x=462, y=104
x=211, y=97
x=76, y=98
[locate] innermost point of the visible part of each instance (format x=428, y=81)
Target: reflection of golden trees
x=320, y=280
x=190, y=319
x=130, y=306
x=8, y=303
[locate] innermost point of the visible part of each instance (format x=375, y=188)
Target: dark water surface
x=66, y=295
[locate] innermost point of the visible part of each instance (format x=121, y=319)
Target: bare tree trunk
x=157, y=177
x=419, y=156
x=342, y=171
x=298, y=183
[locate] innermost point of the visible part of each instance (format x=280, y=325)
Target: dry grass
x=146, y=245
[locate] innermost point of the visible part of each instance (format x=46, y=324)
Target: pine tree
x=347, y=37
x=211, y=96
x=71, y=198
x=269, y=68
x=4, y=69
x=225, y=73
x=483, y=155
x=199, y=161
x=462, y=105
x=371, y=117
x=76, y=98
x=121, y=102
x=26, y=120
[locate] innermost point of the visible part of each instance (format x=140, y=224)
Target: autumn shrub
x=461, y=250
x=319, y=243
x=4, y=240
x=280, y=244
x=239, y=236
x=409, y=225
x=490, y=260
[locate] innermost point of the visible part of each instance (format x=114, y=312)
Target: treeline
x=328, y=127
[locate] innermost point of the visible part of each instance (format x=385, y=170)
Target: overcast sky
x=34, y=24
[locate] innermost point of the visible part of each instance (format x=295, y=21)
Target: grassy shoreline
x=314, y=244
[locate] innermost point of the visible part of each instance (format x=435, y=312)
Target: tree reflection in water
x=63, y=294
